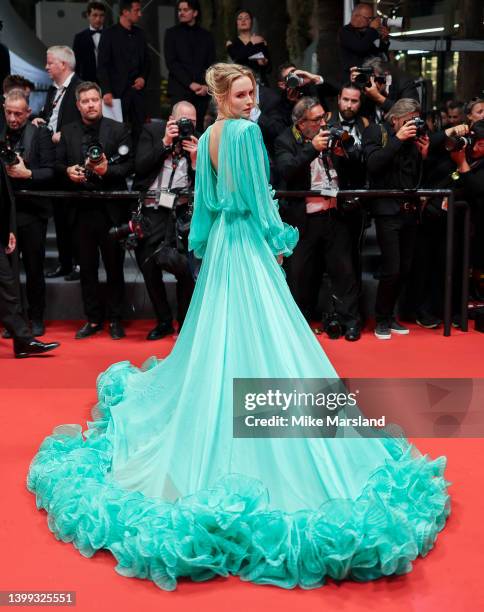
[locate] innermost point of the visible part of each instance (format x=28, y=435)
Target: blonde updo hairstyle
x=220, y=77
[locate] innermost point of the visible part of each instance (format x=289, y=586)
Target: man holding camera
x=305, y=162
x=95, y=155
x=165, y=165
x=394, y=155
x=382, y=85
x=352, y=167
x=292, y=85
x=364, y=37
x=24, y=344
x=30, y=166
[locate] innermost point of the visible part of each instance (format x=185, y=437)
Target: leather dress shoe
x=38, y=328
x=160, y=331
x=57, y=272
x=26, y=347
x=333, y=329
x=353, y=333
x=88, y=330
x=116, y=330
x=74, y=274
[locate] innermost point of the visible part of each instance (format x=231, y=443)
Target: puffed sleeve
x=204, y=212
x=252, y=179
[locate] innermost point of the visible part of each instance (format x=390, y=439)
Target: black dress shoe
x=26, y=347
x=57, y=272
x=74, y=275
x=6, y=334
x=160, y=331
x=38, y=328
x=88, y=330
x=333, y=329
x=116, y=330
x=353, y=333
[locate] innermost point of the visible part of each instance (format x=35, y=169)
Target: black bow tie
x=95, y=32
x=348, y=123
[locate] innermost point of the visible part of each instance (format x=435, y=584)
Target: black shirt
x=240, y=53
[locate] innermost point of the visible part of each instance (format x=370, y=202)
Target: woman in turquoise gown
x=158, y=478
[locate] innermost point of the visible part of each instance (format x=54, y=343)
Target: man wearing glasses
x=306, y=160
x=362, y=38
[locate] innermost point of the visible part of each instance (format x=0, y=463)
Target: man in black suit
x=96, y=216
x=11, y=315
x=164, y=162
x=189, y=50
x=59, y=110
x=124, y=65
x=33, y=169
x=86, y=43
x=304, y=163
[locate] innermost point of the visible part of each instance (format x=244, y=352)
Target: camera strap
x=167, y=199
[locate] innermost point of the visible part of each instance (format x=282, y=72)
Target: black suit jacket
x=293, y=159
x=113, y=59
x=391, y=164
x=150, y=156
x=38, y=152
x=68, y=111
x=84, y=51
x=69, y=152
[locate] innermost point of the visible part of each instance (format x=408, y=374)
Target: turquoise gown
x=158, y=479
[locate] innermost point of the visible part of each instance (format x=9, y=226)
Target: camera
x=293, y=80
x=419, y=124
x=185, y=129
x=94, y=153
x=340, y=137
x=457, y=143
x=131, y=233
x=7, y=154
x=363, y=79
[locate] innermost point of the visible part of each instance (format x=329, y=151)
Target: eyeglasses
x=319, y=118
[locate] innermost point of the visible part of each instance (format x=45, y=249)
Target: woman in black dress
x=246, y=45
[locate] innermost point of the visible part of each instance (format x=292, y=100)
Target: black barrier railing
x=354, y=193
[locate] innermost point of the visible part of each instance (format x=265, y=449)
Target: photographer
x=470, y=185
x=304, y=162
x=89, y=157
x=382, y=85
x=352, y=167
x=359, y=39
x=394, y=153
x=165, y=163
x=292, y=85
x=11, y=316
x=29, y=157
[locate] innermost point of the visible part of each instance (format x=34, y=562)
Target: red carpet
x=38, y=394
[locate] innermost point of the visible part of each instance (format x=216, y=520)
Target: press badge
x=167, y=200
x=328, y=192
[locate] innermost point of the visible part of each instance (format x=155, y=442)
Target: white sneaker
x=398, y=328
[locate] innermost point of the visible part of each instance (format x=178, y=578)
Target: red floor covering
x=38, y=394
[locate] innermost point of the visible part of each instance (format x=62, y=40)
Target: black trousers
x=66, y=238
x=325, y=236
x=133, y=107
x=93, y=226
x=31, y=245
x=153, y=273
x=396, y=235
x=10, y=307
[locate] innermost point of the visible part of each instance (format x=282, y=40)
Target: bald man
x=166, y=162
